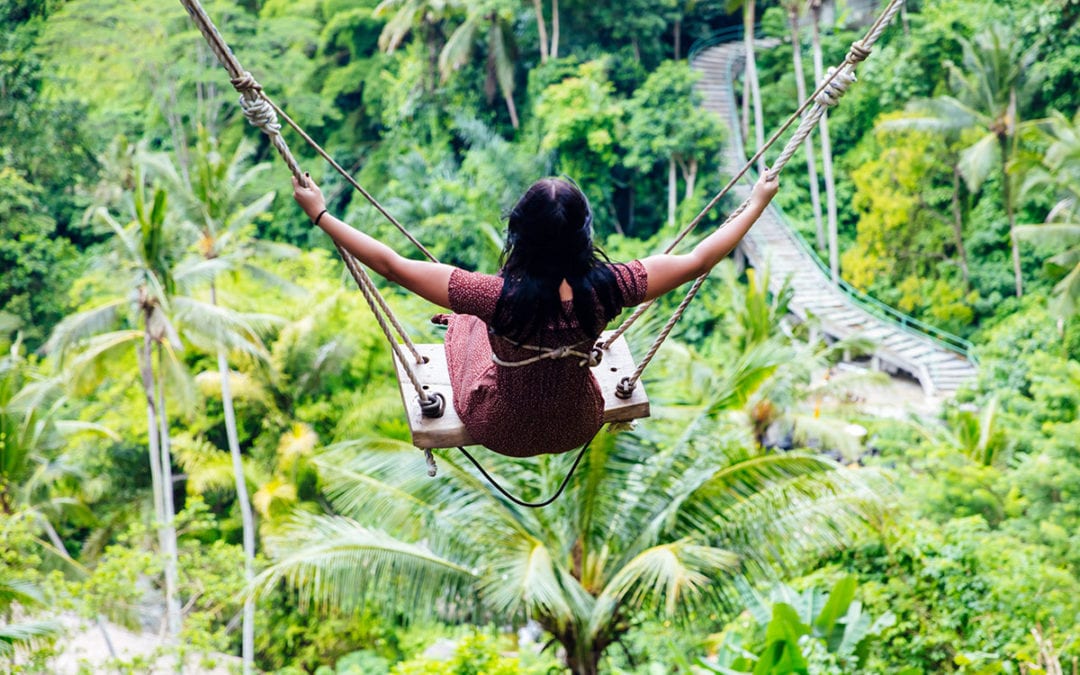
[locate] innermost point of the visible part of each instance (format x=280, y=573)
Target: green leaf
x=839, y=600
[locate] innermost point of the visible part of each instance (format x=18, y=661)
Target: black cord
x=519, y=502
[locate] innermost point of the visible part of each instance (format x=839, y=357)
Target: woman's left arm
x=429, y=280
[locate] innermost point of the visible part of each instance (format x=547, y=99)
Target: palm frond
x=77, y=327
x=208, y=468
x=525, y=577
x=99, y=353
x=669, y=577
x=14, y=636
x=211, y=327
x=193, y=272
x=250, y=211
x=1060, y=235
x=455, y=53
x=333, y=561
x=978, y=160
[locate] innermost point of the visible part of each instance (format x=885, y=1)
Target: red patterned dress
x=551, y=406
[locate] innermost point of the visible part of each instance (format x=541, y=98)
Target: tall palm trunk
x=554, y=29
x=541, y=28
x=671, y=187
x=1006, y=194
x=826, y=151
x=247, y=518
x=811, y=160
x=172, y=565
x=753, y=90
x=958, y=227
x=146, y=372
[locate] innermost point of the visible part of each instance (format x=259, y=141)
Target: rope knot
x=433, y=406
x=260, y=113
x=831, y=94
x=625, y=388
x=858, y=52
x=246, y=83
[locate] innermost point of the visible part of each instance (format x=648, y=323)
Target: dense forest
x=202, y=441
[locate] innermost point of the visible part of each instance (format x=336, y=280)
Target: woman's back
x=551, y=405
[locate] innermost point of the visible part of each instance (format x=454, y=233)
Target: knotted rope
x=261, y=112
x=590, y=359
x=828, y=94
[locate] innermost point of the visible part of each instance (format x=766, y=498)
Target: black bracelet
x=319, y=217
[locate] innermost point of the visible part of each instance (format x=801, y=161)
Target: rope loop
x=831, y=94
x=432, y=467
x=596, y=356
x=433, y=406
x=625, y=388
x=246, y=83
x=858, y=52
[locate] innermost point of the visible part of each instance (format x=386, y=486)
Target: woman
x=555, y=289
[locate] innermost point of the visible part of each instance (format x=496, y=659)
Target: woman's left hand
x=310, y=198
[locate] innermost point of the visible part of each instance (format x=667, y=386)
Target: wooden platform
x=448, y=432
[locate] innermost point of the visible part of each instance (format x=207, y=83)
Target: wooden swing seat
x=448, y=431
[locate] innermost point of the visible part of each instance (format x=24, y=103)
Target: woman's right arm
x=429, y=280
x=667, y=272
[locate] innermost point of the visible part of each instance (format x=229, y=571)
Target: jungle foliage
x=175, y=335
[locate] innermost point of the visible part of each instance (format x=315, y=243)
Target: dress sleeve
x=474, y=293
x=633, y=282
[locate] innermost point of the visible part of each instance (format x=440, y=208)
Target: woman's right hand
x=765, y=188
x=310, y=197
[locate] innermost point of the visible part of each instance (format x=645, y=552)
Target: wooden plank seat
x=448, y=431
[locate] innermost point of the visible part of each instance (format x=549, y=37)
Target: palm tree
x=1059, y=171
x=16, y=637
x=666, y=523
x=752, y=88
x=142, y=259
x=496, y=18
x=794, y=10
x=37, y=478
x=826, y=146
x=422, y=16
x=220, y=221
x=985, y=97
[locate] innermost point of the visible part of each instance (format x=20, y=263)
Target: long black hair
x=549, y=239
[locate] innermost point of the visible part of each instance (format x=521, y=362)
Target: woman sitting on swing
x=555, y=289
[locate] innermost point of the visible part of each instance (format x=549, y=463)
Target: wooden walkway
x=900, y=349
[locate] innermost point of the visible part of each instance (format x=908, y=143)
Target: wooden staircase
x=903, y=345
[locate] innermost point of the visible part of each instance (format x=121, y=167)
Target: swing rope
x=827, y=95
x=263, y=113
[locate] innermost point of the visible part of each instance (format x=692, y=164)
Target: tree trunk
x=671, y=191
x=541, y=28
x=554, y=51
x=826, y=153
x=172, y=566
x=811, y=160
x=958, y=228
x=146, y=373
x=1006, y=194
x=677, y=35
x=511, y=108
x=752, y=80
x=247, y=518
x=690, y=171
